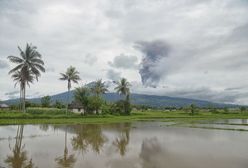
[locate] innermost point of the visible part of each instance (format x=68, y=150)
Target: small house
x=76, y=107
x=4, y=107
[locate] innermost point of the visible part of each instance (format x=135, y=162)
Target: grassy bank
x=56, y=116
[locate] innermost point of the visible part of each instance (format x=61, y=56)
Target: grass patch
x=58, y=116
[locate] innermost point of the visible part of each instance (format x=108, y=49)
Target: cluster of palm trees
x=30, y=65
x=82, y=94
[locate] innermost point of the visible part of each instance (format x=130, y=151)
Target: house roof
x=4, y=106
x=75, y=105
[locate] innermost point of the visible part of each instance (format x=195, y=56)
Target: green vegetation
x=97, y=89
x=46, y=101
x=123, y=88
x=90, y=99
x=242, y=109
x=58, y=116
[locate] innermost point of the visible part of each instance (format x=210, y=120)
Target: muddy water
x=126, y=145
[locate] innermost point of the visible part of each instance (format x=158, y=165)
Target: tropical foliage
x=123, y=88
x=81, y=95
x=46, y=101
x=99, y=88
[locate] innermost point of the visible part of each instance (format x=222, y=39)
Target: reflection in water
x=122, y=141
x=150, y=154
x=154, y=154
x=19, y=157
x=44, y=127
x=66, y=161
x=88, y=135
x=145, y=145
x=244, y=121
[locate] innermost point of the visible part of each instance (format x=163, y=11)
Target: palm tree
x=98, y=89
x=29, y=67
x=123, y=88
x=81, y=95
x=71, y=75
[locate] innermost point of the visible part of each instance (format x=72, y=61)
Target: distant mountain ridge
x=139, y=99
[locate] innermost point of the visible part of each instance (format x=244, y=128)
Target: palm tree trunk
x=127, y=104
x=20, y=99
x=24, y=97
x=67, y=101
x=66, y=149
x=97, y=110
x=21, y=135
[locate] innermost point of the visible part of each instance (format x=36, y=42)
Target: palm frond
x=37, y=61
x=64, y=76
x=18, y=67
x=40, y=67
x=15, y=59
x=22, y=53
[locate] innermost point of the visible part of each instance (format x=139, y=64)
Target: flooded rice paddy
x=124, y=145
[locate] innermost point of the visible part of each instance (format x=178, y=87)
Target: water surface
x=126, y=145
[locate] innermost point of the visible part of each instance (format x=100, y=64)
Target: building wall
x=78, y=111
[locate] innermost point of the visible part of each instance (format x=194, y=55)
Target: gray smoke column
x=153, y=52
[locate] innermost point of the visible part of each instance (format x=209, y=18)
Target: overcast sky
x=186, y=48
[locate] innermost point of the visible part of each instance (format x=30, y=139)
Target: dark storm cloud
x=152, y=52
x=3, y=64
x=124, y=61
x=113, y=75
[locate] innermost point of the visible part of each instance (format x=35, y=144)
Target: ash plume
x=153, y=52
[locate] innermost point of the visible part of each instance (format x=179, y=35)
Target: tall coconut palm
x=123, y=88
x=29, y=65
x=71, y=75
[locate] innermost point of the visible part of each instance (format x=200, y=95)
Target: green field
x=56, y=116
